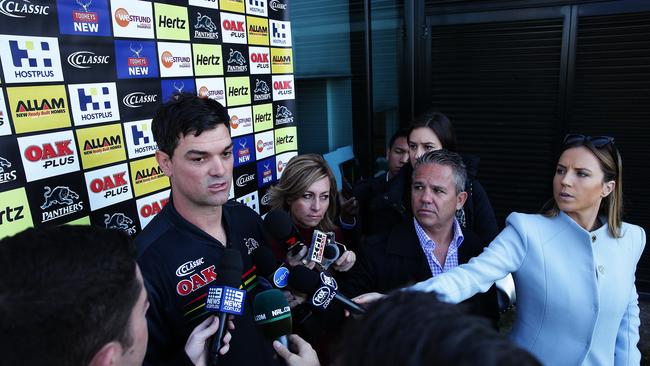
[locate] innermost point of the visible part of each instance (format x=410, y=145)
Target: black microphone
x=225, y=297
x=278, y=223
x=272, y=315
x=322, y=289
x=268, y=270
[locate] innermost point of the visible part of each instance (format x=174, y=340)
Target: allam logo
x=135, y=59
x=30, y=59
x=84, y=17
x=38, y=108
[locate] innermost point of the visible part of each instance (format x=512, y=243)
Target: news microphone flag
x=225, y=299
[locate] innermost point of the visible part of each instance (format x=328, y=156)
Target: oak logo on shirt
x=196, y=281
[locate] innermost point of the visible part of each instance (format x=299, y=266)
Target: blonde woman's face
x=310, y=208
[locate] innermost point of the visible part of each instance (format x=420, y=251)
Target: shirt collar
x=184, y=224
x=426, y=241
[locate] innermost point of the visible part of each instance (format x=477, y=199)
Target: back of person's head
x=184, y=114
x=65, y=292
x=440, y=125
x=414, y=328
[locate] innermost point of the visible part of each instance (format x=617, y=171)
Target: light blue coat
x=576, y=299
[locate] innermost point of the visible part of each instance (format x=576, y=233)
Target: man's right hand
x=305, y=356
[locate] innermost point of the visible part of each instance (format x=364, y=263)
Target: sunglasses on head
x=595, y=141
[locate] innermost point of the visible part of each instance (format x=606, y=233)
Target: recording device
x=269, y=273
x=278, y=223
x=321, y=287
x=272, y=315
x=317, y=248
x=225, y=297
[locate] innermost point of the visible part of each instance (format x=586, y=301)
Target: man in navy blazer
x=427, y=245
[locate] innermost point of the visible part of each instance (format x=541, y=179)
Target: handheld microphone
x=322, y=289
x=225, y=297
x=268, y=270
x=272, y=315
x=317, y=247
x=278, y=223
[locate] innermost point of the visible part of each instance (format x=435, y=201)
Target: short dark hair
x=414, y=328
x=65, y=292
x=440, y=125
x=446, y=158
x=402, y=132
x=184, y=114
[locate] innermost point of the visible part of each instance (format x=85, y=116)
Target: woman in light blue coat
x=573, y=265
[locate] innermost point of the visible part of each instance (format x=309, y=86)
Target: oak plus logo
x=136, y=59
x=241, y=121
x=283, y=87
x=48, y=155
x=94, y=103
x=280, y=33
x=7, y=172
x=205, y=26
x=59, y=201
x=84, y=17
x=243, y=150
x=132, y=19
x=261, y=92
x=120, y=221
x=213, y=88
x=139, y=139
x=108, y=186
x=264, y=145
x=175, y=59
x=149, y=206
x=283, y=115
x=30, y=59
x=259, y=59
x=256, y=7
x=233, y=28
x=236, y=62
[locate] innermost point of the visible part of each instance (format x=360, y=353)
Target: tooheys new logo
x=99, y=145
x=196, y=281
x=277, y=5
x=137, y=65
x=283, y=115
x=51, y=156
x=244, y=179
x=262, y=91
x=138, y=99
x=87, y=59
x=58, y=202
x=267, y=174
x=40, y=107
x=27, y=59
x=85, y=20
x=205, y=28
x=119, y=221
x=6, y=173
x=21, y=9
x=236, y=62
x=110, y=185
x=243, y=153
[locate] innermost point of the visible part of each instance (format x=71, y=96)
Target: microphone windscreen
x=230, y=269
x=272, y=314
x=264, y=261
x=304, y=279
x=278, y=223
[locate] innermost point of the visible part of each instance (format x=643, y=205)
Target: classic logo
x=22, y=8
x=171, y=22
x=138, y=99
x=266, y=199
x=280, y=33
x=283, y=87
x=264, y=144
x=262, y=91
x=236, y=62
x=205, y=28
x=61, y=201
x=6, y=173
x=87, y=59
x=135, y=59
x=37, y=108
x=278, y=5
x=283, y=115
x=30, y=59
x=132, y=19
x=260, y=62
x=94, y=103
x=188, y=267
x=48, y=155
x=108, y=186
x=150, y=206
x=119, y=221
x=233, y=28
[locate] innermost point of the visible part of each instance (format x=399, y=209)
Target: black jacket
x=178, y=261
x=395, y=259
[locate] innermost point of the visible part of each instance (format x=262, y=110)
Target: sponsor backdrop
x=81, y=79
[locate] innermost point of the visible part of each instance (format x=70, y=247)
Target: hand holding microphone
x=321, y=288
x=196, y=347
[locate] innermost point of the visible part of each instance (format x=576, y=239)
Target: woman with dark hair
x=573, y=265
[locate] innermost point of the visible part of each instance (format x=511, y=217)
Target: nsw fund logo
x=241, y=121
x=175, y=59
x=30, y=59
x=212, y=88
x=94, y=103
x=132, y=19
x=136, y=59
x=84, y=17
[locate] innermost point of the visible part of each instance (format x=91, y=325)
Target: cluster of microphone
x=271, y=310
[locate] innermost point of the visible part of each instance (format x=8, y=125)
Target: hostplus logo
x=6, y=173
x=236, y=62
x=143, y=139
x=279, y=33
x=119, y=221
x=204, y=28
x=257, y=7
x=262, y=91
x=205, y=92
x=21, y=9
x=96, y=103
x=58, y=202
x=283, y=115
x=28, y=59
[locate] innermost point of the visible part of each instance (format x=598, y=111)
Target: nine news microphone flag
x=225, y=297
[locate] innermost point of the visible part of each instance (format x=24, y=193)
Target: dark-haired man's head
x=414, y=328
x=71, y=295
x=397, y=153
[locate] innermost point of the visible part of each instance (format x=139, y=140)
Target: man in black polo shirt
x=179, y=251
